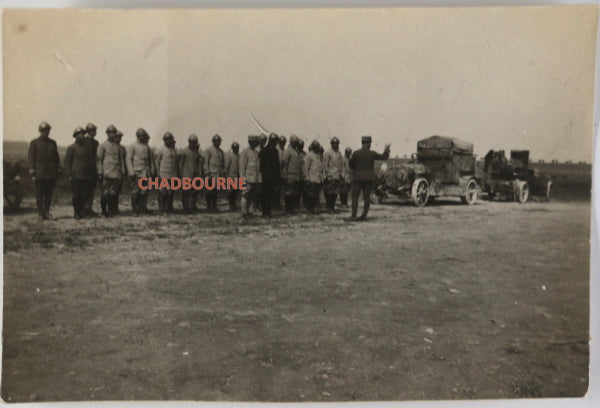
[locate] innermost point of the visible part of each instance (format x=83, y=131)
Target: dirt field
x=444, y=302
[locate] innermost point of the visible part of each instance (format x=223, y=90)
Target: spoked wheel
x=521, y=192
x=548, y=188
x=471, y=193
x=420, y=192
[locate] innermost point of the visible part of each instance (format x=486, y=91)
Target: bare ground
x=445, y=302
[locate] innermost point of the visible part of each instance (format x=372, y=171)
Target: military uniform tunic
x=214, y=161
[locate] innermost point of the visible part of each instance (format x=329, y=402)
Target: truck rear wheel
x=521, y=191
x=470, y=194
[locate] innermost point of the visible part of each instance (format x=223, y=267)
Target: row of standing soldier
x=271, y=170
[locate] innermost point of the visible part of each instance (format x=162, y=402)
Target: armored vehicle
x=513, y=179
x=442, y=166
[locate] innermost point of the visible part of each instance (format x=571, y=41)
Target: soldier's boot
x=40, y=205
x=104, y=206
x=214, y=204
x=135, y=206
x=161, y=202
x=354, y=207
x=287, y=204
x=185, y=203
x=47, y=203
x=367, y=204
x=344, y=199
x=143, y=204
x=170, y=198
x=245, y=207
x=293, y=205
x=110, y=206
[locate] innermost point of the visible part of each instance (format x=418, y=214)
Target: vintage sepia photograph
x=297, y=205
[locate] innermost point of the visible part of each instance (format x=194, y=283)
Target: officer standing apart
x=333, y=167
x=140, y=163
x=80, y=170
x=291, y=173
x=214, y=166
x=346, y=177
x=362, y=167
x=111, y=169
x=232, y=170
x=190, y=165
x=92, y=144
x=250, y=170
x=44, y=166
x=313, y=169
x=166, y=167
x=270, y=171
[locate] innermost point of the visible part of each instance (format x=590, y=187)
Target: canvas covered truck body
x=513, y=179
x=442, y=166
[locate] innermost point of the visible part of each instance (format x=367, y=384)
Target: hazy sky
x=504, y=78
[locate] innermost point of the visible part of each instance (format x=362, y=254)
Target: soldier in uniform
x=291, y=173
x=362, y=167
x=250, y=170
x=190, y=165
x=301, y=197
x=333, y=167
x=44, y=166
x=214, y=166
x=313, y=169
x=92, y=144
x=232, y=170
x=118, y=139
x=111, y=169
x=280, y=187
x=270, y=171
x=140, y=163
x=346, y=178
x=262, y=142
x=166, y=167
x=80, y=170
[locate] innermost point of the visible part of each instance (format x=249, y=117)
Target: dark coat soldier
x=44, y=166
x=92, y=144
x=190, y=165
x=346, y=177
x=111, y=169
x=280, y=187
x=362, y=167
x=333, y=167
x=80, y=170
x=214, y=166
x=167, y=167
x=140, y=163
x=262, y=142
x=291, y=174
x=250, y=170
x=232, y=170
x=270, y=171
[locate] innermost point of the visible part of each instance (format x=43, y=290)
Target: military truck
x=442, y=167
x=513, y=179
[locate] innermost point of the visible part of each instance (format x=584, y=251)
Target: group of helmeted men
x=272, y=170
